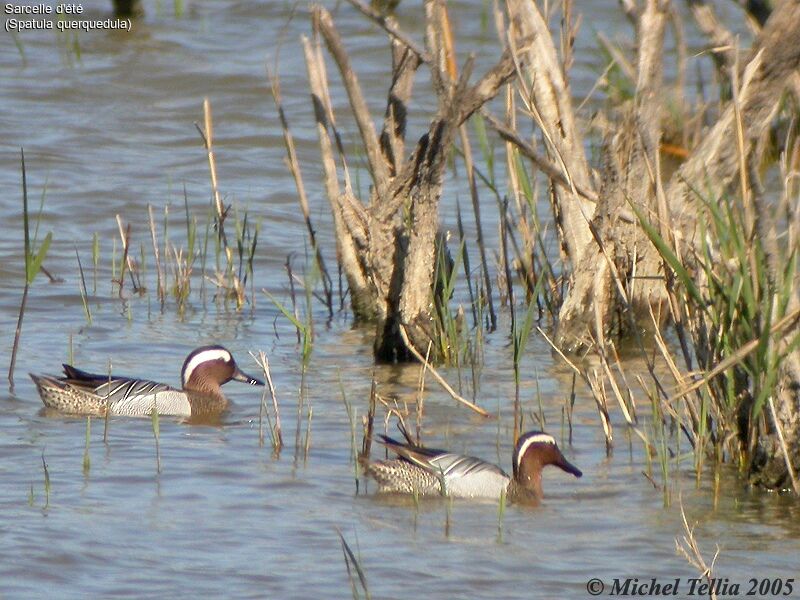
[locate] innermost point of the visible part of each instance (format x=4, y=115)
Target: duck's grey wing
x=470, y=477
x=137, y=397
x=440, y=461
x=113, y=389
x=458, y=465
x=124, y=390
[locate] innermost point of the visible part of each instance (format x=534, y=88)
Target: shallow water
x=110, y=129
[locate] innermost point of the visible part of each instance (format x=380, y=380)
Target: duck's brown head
x=209, y=367
x=533, y=452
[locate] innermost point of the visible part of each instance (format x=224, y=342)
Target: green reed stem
x=95, y=260
x=154, y=419
x=33, y=262
x=107, y=415
x=351, y=418
x=501, y=513
x=87, y=462
x=84, y=293
x=46, y=483
x=352, y=563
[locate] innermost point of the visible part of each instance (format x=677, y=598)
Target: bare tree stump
x=387, y=247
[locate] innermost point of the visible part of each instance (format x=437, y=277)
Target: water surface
x=108, y=128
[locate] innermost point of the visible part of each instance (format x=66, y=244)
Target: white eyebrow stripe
x=204, y=356
x=541, y=438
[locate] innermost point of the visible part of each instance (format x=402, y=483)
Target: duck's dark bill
x=567, y=466
x=245, y=378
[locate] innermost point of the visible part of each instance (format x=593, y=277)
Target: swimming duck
x=424, y=470
x=204, y=371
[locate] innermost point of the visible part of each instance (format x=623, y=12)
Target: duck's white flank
x=168, y=402
x=204, y=356
x=541, y=438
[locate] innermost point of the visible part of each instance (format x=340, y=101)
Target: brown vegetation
x=641, y=249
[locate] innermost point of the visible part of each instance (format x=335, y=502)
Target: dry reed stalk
x=547, y=166
x=631, y=399
x=447, y=44
x=159, y=270
x=680, y=380
x=182, y=272
x=721, y=42
x=328, y=107
x=453, y=394
x=627, y=413
x=571, y=406
x=631, y=422
x=227, y=279
x=689, y=549
x=127, y=262
x=523, y=225
x=208, y=142
x=595, y=383
x=505, y=264
x=597, y=386
x=294, y=168
x=369, y=423
x=600, y=80
x=277, y=437
x=652, y=481
x=617, y=57
x=469, y=165
x=558, y=351
x=421, y=389
x=681, y=50
x=107, y=414
x=784, y=449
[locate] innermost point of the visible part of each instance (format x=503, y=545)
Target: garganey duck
x=204, y=371
x=422, y=471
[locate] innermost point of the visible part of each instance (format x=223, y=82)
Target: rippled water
x=108, y=128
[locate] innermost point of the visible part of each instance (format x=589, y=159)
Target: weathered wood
x=618, y=276
x=721, y=42
x=405, y=224
x=387, y=246
x=369, y=137
x=545, y=90
x=349, y=217
x=617, y=280
x=714, y=164
x=404, y=66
